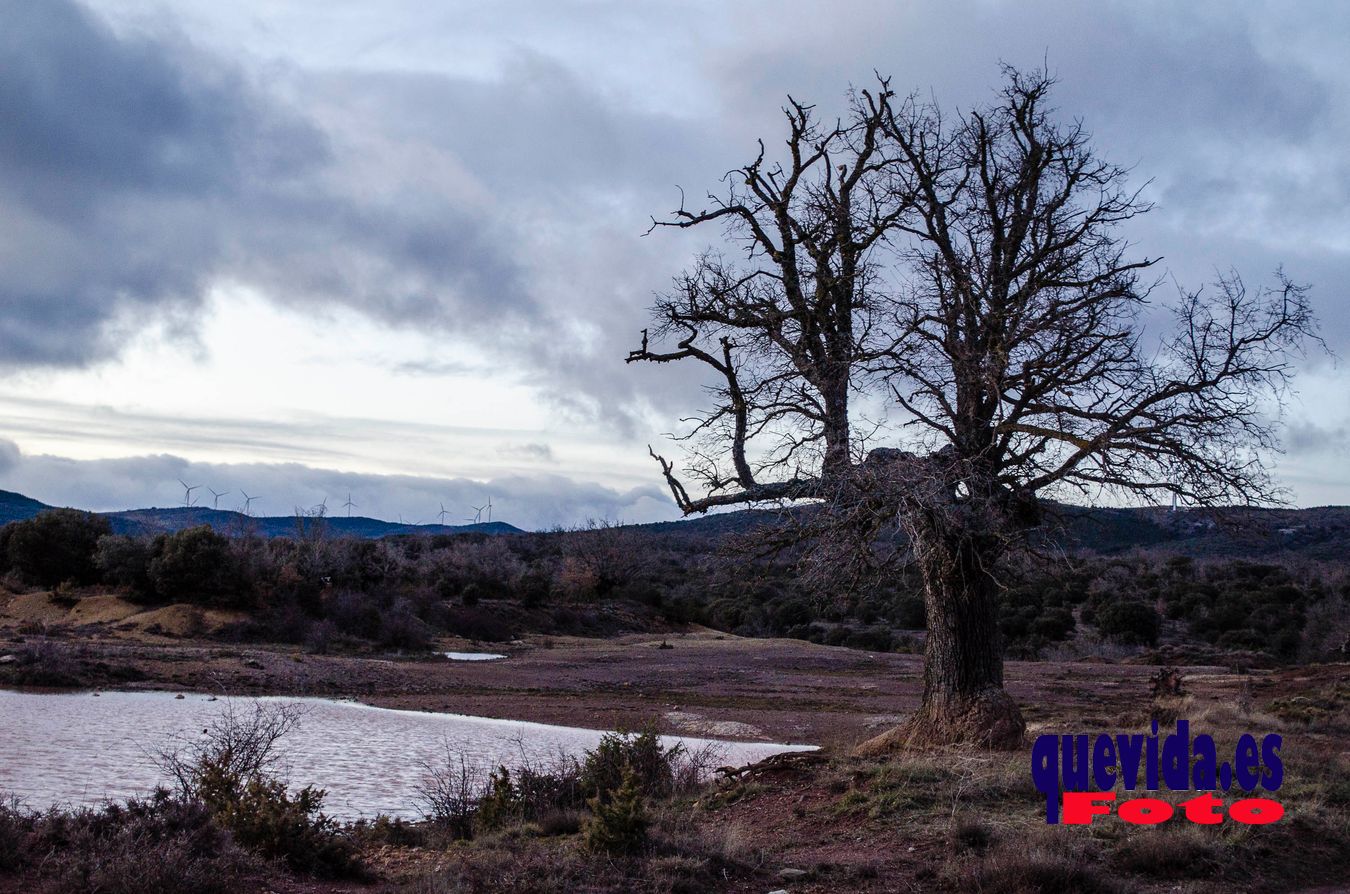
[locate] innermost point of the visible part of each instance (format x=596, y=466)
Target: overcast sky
x=395, y=250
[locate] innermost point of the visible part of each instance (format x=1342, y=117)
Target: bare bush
x=240, y=742
x=449, y=793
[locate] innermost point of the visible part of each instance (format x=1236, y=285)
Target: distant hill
x=1317, y=533
x=16, y=507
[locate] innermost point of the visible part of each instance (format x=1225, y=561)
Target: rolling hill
x=16, y=507
x=1316, y=533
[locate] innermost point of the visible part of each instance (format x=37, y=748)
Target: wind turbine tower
x=187, y=492
x=248, y=503
x=215, y=497
x=442, y=514
x=349, y=505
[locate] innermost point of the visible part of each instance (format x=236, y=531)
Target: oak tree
x=932, y=323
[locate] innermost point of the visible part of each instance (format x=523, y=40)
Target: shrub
x=56, y=545
x=618, y=824
x=1129, y=621
x=268, y=820
x=45, y=663
x=619, y=755
x=500, y=803
x=400, y=628
x=159, y=845
x=15, y=825
x=387, y=830
x=197, y=565
x=230, y=772
x=448, y=794
x=125, y=562
x=319, y=638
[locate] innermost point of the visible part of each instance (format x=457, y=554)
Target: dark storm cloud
x=532, y=502
x=136, y=171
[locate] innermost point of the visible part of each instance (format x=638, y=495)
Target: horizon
x=300, y=511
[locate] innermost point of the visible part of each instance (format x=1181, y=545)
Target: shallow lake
x=81, y=748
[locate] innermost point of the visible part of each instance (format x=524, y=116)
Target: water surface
x=81, y=748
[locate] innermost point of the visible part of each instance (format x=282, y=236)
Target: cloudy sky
x=396, y=250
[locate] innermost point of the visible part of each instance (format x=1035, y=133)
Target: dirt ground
x=705, y=683
x=846, y=825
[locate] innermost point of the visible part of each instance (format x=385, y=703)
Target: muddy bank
x=703, y=683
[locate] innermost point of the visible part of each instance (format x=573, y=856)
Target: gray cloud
x=1304, y=438
x=504, y=198
x=137, y=171
x=533, y=502
x=533, y=451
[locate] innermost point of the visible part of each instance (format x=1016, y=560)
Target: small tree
x=56, y=545
x=934, y=326
x=618, y=823
x=198, y=565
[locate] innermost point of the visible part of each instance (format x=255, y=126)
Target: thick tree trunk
x=963, y=695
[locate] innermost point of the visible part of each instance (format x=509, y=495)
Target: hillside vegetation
x=1113, y=582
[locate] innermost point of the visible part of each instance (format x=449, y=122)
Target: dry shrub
x=45, y=663
x=969, y=834
x=231, y=770
x=1044, y=863
x=160, y=845
x=15, y=826
x=1170, y=852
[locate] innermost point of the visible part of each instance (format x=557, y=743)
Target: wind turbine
x=442, y=514
x=187, y=492
x=215, y=497
x=349, y=505
x=248, y=503
x=478, y=514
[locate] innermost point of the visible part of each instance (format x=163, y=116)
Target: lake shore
x=844, y=823
x=696, y=683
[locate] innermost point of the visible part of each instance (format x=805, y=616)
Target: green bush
x=125, y=562
x=618, y=823
x=1129, y=621
x=640, y=755
x=268, y=820
x=229, y=771
x=198, y=565
x=55, y=545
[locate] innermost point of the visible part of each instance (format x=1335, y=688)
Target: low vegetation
x=328, y=593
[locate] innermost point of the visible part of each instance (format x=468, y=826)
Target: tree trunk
x=963, y=695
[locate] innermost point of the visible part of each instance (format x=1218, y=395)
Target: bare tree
x=963, y=281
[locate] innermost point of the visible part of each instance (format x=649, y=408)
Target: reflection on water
x=74, y=748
